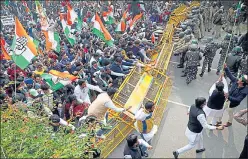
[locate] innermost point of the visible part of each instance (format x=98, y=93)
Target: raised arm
x=229, y=74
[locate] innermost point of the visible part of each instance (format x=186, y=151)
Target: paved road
x=219, y=144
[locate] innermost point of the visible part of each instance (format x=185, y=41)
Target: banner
x=7, y=20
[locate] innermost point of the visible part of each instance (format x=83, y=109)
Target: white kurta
x=141, y=115
x=82, y=93
x=213, y=112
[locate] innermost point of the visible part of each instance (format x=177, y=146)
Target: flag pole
x=230, y=39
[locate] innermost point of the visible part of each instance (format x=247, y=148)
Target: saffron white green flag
x=24, y=50
x=109, y=15
x=67, y=30
x=55, y=40
x=57, y=80
x=100, y=30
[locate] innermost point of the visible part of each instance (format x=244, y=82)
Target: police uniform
x=209, y=53
x=202, y=27
x=208, y=11
x=218, y=21
x=243, y=66
x=223, y=53
x=196, y=29
x=192, y=57
x=182, y=50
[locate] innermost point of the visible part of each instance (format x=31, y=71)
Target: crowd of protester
x=97, y=66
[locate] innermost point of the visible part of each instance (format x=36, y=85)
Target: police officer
x=208, y=11
x=209, y=53
x=182, y=50
x=233, y=60
x=192, y=58
x=201, y=18
x=218, y=22
x=196, y=28
x=180, y=41
x=243, y=65
x=223, y=52
x=230, y=19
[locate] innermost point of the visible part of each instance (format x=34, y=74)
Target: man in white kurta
x=197, y=121
x=81, y=91
x=144, y=123
x=216, y=114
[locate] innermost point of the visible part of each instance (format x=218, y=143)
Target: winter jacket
x=236, y=94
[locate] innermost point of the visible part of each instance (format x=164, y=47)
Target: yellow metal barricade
x=159, y=87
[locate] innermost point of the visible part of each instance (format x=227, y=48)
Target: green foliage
x=23, y=137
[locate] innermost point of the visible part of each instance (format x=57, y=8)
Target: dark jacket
x=233, y=63
x=243, y=42
x=136, y=153
x=117, y=68
x=193, y=124
x=216, y=100
x=236, y=94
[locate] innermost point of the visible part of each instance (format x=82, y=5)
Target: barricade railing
x=159, y=91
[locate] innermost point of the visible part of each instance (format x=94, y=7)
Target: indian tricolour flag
x=67, y=30
x=100, y=30
x=24, y=50
x=52, y=41
x=134, y=21
x=71, y=15
x=121, y=27
x=57, y=80
x=42, y=16
x=109, y=15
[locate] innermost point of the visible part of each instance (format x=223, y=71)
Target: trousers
x=207, y=61
x=143, y=148
x=208, y=24
x=244, y=153
x=217, y=31
x=237, y=29
x=214, y=120
x=191, y=72
x=198, y=143
x=230, y=111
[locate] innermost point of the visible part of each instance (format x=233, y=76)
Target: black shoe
x=175, y=153
x=184, y=75
x=218, y=73
x=146, y=154
x=201, y=150
x=179, y=66
x=201, y=75
x=209, y=69
x=187, y=83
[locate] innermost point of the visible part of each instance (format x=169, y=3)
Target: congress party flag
x=24, y=50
